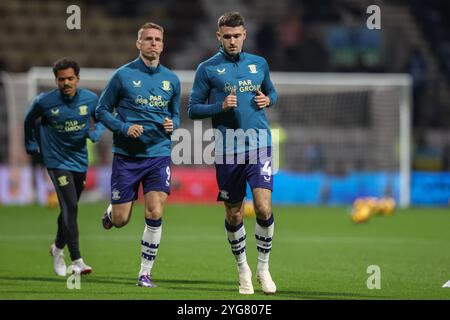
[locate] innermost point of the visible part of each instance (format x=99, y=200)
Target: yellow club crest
x=252, y=68
x=83, y=110
x=166, y=85
x=63, y=181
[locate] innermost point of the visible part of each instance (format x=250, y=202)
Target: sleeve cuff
x=124, y=129
x=218, y=108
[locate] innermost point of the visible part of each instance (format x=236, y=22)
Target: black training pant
x=68, y=186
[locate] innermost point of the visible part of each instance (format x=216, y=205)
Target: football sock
x=150, y=243
x=236, y=238
x=109, y=212
x=264, y=234
x=58, y=251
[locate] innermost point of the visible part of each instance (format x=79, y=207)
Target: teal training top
x=215, y=79
x=65, y=125
x=138, y=94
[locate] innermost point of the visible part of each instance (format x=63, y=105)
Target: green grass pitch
x=318, y=253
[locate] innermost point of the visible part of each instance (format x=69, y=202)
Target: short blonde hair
x=150, y=25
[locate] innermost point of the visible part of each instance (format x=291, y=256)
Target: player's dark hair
x=65, y=63
x=231, y=19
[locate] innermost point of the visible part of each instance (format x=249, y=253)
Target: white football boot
x=267, y=284
x=245, y=280
x=59, y=265
x=79, y=267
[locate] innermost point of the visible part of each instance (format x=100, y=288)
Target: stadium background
x=330, y=168
x=295, y=36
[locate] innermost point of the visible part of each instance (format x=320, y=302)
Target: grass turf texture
x=318, y=253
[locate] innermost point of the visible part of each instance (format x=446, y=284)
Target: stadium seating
x=107, y=34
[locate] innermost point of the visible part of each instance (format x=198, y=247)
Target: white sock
x=236, y=238
x=109, y=212
x=149, y=245
x=264, y=234
x=57, y=251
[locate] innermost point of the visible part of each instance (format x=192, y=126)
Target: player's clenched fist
x=135, y=130
x=230, y=101
x=261, y=99
x=168, y=125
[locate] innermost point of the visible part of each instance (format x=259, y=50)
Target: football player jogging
x=65, y=115
x=234, y=88
x=146, y=97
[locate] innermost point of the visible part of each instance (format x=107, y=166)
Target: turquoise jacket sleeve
x=197, y=108
x=107, y=103
x=175, y=107
x=33, y=113
x=267, y=86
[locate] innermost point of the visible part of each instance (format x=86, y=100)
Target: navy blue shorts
x=128, y=173
x=232, y=178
